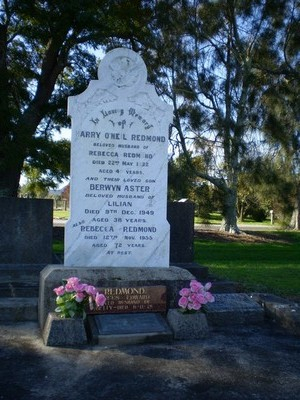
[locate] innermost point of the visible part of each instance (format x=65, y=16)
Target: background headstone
x=119, y=169
x=25, y=231
x=181, y=218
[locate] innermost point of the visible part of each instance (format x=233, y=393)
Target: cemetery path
x=260, y=362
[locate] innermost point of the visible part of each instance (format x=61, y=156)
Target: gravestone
x=25, y=231
x=181, y=218
x=118, y=169
x=118, y=235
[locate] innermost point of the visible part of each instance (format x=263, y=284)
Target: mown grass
x=216, y=218
x=58, y=246
x=61, y=214
x=272, y=267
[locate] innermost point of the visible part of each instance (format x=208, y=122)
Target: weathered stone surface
x=173, y=278
x=119, y=156
x=187, y=326
x=64, y=331
x=18, y=309
x=233, y=308
x=283, y=311
x=25, y=231
x=287, y=315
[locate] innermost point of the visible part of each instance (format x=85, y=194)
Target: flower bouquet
x=195, y=297
x=74, y=298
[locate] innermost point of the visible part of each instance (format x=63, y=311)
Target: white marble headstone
x=118, y=169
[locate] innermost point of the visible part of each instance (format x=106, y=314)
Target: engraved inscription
x=119, y=170
x=133, y=299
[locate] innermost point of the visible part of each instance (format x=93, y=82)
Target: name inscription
x=133, y=299
x=130, y=200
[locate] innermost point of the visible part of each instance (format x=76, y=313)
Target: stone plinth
x=173, y=278
x=187, y=326
x=233, y=309
x=64, y=331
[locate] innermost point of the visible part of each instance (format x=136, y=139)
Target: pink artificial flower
x=79, y=297
x=183, y=302
x=91, y=290
x=59, y=291
x=79, y=287
x=100, y=299
x=185, y=292
x=69, y=288
x=196, y=305
x=193, y=297
x=209, y=297
x=73, y=281
x=195, y=285
x=201, y=298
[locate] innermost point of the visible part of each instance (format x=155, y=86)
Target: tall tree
x=45, y=55
x=281, y=102
x=211, y=53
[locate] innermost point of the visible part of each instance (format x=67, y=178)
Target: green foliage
x=45, y=56
x=37, y=185
x=58, y=246
x=267, y=183
x=184, y=183
x=266, y=267
x=220, y=63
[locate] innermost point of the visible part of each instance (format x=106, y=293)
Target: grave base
x=173, y=278
x=120, y=329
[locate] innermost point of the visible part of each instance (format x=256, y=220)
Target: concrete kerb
x=282, y=311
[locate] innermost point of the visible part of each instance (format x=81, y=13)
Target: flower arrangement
x=195, y=297
x=74, y=297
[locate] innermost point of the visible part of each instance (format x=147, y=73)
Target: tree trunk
x=229, y=223
x=9, y=182
x=295, y=220
x=11, y=164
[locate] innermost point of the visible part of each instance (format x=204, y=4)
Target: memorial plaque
x=118, y=169
x=130, y=324
x=133, y=300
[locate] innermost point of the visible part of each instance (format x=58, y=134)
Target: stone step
x=20, y=280
x=19, y=289
x=20, y=272
x=234, y=309
x=18, y=309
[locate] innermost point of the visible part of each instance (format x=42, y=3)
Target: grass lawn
x=58, y=246
x=216, y=218
x=267, y=263
x=61, y=214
